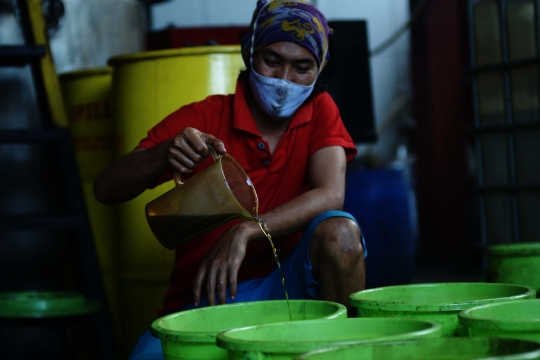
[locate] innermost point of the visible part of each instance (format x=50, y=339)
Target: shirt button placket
x=262, y=146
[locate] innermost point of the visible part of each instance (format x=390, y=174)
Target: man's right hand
x=131, y=174
x=190, y=148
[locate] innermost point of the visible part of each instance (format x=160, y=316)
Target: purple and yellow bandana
x=298, y=21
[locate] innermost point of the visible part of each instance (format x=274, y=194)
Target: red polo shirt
x=277, y=177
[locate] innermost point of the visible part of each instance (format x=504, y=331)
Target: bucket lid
x=41, y=304
x=187, y=51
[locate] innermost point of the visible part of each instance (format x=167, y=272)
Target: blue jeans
x=296, y=269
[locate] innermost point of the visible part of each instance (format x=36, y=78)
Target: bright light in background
x=390, y=70
x=188, y=13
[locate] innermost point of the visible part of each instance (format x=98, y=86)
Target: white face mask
x=278, y=98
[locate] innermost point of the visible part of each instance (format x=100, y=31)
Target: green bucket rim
x=521, y=249
x=356, y=300
x=162, y=333
x=273, y=346
x=45, y=304
x=471, y=319
x=534, y=354
x=179, y=52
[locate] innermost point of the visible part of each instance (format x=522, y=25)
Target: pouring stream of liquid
x=266, y=232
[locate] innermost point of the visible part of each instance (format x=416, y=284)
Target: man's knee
x=337, y=236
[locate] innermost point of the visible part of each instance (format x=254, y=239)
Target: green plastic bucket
x=36, y=324
x=192, y=334
x=287, y=340
x=435, y=349
x=515, y=264
x=514, y=319
x=435, y=302
x=45, y=304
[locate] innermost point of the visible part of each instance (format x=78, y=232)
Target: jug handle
x=176, y=175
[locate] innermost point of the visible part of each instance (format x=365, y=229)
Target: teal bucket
x=515, y=264
x=192, y=334
x=514, y=319
x=434, y=349
x=439, y=303
x=286, y=340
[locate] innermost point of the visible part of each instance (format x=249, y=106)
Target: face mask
x=278, y=98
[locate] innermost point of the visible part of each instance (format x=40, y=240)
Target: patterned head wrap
x=297, y=21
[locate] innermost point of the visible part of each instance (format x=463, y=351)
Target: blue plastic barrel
x=383, y=203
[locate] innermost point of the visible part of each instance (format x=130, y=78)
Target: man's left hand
x=219, y=267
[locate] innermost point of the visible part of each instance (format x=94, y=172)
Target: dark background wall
x=443, y=112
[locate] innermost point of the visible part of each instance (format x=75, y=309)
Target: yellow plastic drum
x=146, y=88
x=86, y=96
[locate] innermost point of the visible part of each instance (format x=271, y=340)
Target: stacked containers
x=514, y=319
x=433, y=349
x=463, y=309
x=515, y=264
x=440, y=303
x=286, y=340
x=192, y=334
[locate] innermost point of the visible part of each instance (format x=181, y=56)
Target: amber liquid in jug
x=163, y=226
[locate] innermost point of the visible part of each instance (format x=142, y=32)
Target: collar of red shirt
x=243, y=120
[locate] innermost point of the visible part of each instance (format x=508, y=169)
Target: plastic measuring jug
x=218, y=194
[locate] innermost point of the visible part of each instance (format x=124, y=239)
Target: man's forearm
x=296, y=214
x=131, y=174
x=327, y=179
